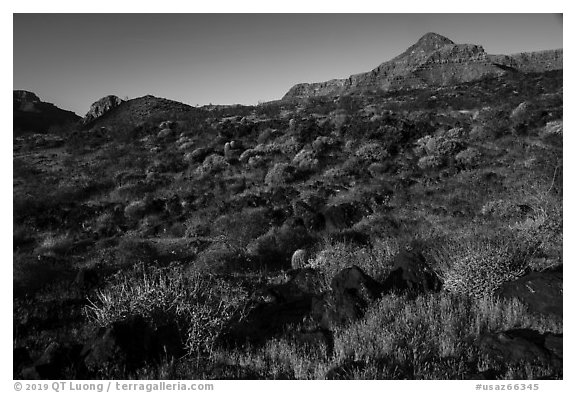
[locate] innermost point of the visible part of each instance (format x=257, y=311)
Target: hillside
x=390, y=233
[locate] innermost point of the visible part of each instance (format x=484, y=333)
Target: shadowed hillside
x=410, y=233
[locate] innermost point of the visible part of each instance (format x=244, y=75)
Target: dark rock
x=130, y=343
x=540, y=291
x=21, y=358
x=343, y=216
x=86, y=279
x=50, y=365
x=277, y=306
x=266, y=320
x=351, y=293
x=303, y=283
x=522, y=346
x=411, y=275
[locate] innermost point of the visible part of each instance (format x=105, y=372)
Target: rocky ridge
x=433, y=61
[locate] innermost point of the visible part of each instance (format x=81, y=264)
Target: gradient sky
x=72, y=60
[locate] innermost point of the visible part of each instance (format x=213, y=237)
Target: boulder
x=540, y=291
x=86, y=279
x=520, y=346
x=130, y=343
x=344, y=215
x=276, y=306
x=50, y=365
x=351, y=292
x=412, y=275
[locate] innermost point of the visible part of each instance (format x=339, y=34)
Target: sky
x=72, y=60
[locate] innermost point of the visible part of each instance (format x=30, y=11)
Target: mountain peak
x=432, y=41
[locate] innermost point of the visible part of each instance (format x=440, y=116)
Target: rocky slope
x=30, y=114
x=433, y=61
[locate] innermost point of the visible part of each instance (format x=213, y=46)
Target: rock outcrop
x=101, y=107
x=23, y=96
x=433, y=61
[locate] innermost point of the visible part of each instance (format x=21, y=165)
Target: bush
x=305, y=160
x=372, y=151
x=55, y=245
x=135, y=210
x=212, y=164
x=200, y=305
x=376, y=261
x=430, y=162
x=468, y=158
x=280, y=174
x=478, y=267
x=221, y=257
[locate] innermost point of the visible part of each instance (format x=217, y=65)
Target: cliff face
x=432, y=61
x=100, y=107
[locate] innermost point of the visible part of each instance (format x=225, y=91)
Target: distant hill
x=30, y=114
x=433, y=61
x=134, y=111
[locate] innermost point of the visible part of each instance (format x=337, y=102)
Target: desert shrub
x=468, y=158
x=274, y=249
x=305, y=160
x=542, y=230
x=501, y=208
x=135, y=210
x=433, y=336
x=378, y=169
x=212, y=164
x=322, y=143
x=430, y=162
x=222, y=256
x=55, y=245
x=290, y=146
x=553, y=128
x=280, y=174
x=479, y=133
x=339, y=117
x=372, y=151
x=200, y=305
x=242, y=227
x=478, y=267
x=495, y=122
x=106, y=224
x=375, y=261
x=265, y=135
x=167, y=163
